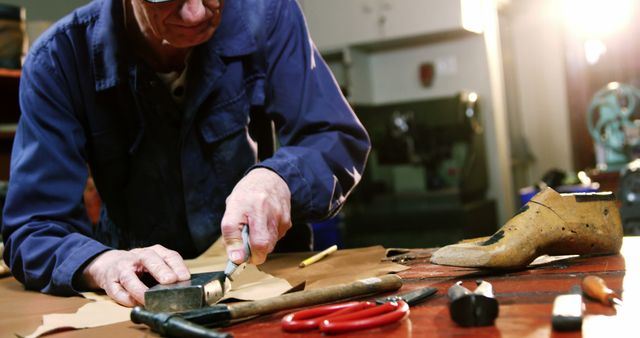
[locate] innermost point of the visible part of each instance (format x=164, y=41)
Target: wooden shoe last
x=550, y=223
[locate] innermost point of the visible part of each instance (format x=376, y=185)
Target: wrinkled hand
x=118, y=272
x=263, y=201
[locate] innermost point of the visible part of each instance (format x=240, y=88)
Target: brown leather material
x=21, y=311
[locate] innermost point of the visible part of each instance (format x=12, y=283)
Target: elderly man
x=154, y=99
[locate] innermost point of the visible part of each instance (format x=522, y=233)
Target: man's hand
x=263, y=201
x=118, y=272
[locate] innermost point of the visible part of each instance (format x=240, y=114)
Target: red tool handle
x=384, y=314
x=311, y=318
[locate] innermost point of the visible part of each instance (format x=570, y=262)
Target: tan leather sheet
x=342, y=266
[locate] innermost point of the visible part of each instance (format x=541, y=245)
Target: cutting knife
x=232, y=269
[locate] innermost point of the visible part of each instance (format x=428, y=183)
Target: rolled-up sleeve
x=45, y=227
x=323, y=146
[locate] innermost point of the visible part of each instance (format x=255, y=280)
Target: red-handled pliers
x=350, y=316
x=346, y=316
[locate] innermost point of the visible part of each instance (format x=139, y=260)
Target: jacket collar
x=105, y=44
x=109, y=47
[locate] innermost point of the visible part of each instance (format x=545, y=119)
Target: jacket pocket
x=225, y=119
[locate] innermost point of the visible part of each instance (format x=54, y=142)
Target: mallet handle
x=315, y=296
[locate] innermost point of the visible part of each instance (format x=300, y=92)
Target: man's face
x=180, y=23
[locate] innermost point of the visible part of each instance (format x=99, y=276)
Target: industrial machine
x=629, y=197
x=613, y=119
x=426, y=180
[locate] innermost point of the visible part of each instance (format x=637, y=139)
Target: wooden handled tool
x=596, y=288
x=220, y=314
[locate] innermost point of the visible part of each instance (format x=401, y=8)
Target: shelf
x=412, y=41
x=388, y=24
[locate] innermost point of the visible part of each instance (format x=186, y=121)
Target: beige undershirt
x=176, y=82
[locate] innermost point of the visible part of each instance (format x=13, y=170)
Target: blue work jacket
x=164, y=170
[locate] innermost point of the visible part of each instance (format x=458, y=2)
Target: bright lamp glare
x=472, y=15
x=593, y=50
x=597, y=18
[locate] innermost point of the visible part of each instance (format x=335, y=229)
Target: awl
x=596, y=288
x=204, y=289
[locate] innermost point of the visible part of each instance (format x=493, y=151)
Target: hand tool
x=221, y=314
x=232, y=268
x=203, y=289
x=172, y=325
x=355, y=315
x=478, y=308
x=346, y=317
x=568, y=310
x=596, y=288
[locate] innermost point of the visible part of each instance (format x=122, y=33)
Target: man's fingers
x=261, y=199
x=174, y=261
x=157, y=267
x=232, y=235
x=117, y=272
x=119, y=294
x=262, y=240
x=132, y=284
x=235, y=250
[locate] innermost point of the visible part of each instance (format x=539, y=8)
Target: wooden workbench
x=525, y=299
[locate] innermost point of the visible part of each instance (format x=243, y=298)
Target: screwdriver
x=596, y=288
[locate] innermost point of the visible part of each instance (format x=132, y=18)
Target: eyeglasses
x=161, y=1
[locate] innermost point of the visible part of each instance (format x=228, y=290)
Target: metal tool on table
x=356, y=315
x=221, y=314
x=477, y=308
x=172, y=325
x=568, y=310
x=201, y=290
x=595, y=288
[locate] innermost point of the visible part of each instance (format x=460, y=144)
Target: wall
x=540, y=84
x=460, y=64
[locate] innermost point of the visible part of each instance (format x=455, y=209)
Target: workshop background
x=472, y=105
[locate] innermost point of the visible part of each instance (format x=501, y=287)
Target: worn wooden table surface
x=525, y=300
